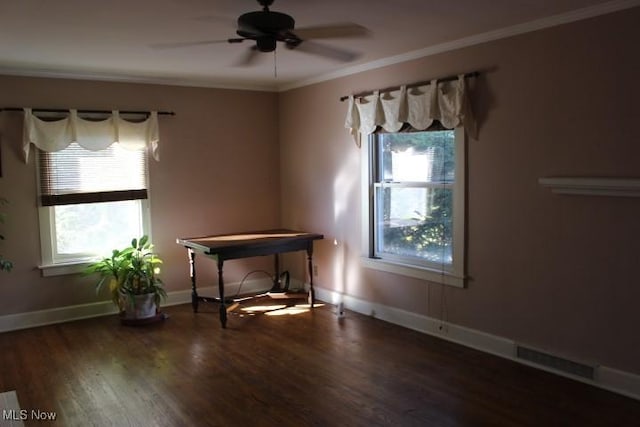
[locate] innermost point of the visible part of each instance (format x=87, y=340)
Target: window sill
x=434, y=276
x=75, y=267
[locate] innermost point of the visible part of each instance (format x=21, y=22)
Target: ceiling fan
x=266, y=28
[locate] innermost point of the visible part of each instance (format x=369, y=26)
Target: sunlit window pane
x=93, y=229
x=415, y=222
x=413, y=190
x=417, y=156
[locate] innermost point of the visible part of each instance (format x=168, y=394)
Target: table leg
x=312, y=294
x=223, y=307
x=276, y=278
x=192, y=273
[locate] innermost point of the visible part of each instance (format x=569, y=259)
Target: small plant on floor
x=129, y=273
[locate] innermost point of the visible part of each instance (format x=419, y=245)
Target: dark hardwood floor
x=306, y=369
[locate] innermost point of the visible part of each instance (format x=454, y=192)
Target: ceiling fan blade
x=248, y=58
x=326, y=51
x=188, y=44
x=345, y=30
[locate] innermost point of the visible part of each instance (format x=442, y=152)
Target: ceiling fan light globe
x=266, y=44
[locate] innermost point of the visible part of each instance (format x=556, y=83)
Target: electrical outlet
x=315, y=269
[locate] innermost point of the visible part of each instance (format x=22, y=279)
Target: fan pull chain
x=275, y=65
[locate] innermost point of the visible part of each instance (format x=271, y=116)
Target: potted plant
x=131, y=275
x=5, y=264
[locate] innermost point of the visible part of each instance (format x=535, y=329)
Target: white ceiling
x=114, y=39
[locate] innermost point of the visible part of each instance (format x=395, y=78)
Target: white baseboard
x=31, y=319
x=621, y=382
x=611, y=379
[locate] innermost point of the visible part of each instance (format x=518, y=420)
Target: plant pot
x=138, y=306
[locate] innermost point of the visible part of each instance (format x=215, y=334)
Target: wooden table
x=225, y=247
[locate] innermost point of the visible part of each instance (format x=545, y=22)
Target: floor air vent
x=555, y=362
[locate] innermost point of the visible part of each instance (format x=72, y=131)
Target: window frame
x=53, y=265
x=453, y=274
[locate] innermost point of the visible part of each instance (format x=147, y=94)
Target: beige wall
x=555, y=272
x=218, y=172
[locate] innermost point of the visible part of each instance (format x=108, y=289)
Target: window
x=415, y=204
x=91, y=202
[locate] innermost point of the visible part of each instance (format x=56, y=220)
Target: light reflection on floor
x=277, y=309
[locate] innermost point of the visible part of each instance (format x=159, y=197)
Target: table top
x=251, y=243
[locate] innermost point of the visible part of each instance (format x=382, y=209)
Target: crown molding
x=514, y=30
x=123, y=78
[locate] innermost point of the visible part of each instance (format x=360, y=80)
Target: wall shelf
x=591, y=186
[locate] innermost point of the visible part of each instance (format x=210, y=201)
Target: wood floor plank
x=303, y=369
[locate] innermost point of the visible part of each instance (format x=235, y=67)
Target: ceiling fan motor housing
x=266, y=27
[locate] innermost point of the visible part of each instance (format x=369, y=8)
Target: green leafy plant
x=130, y=271
x=5, y=264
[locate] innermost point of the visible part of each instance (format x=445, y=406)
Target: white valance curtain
x=92, y=135
x=418, y=106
